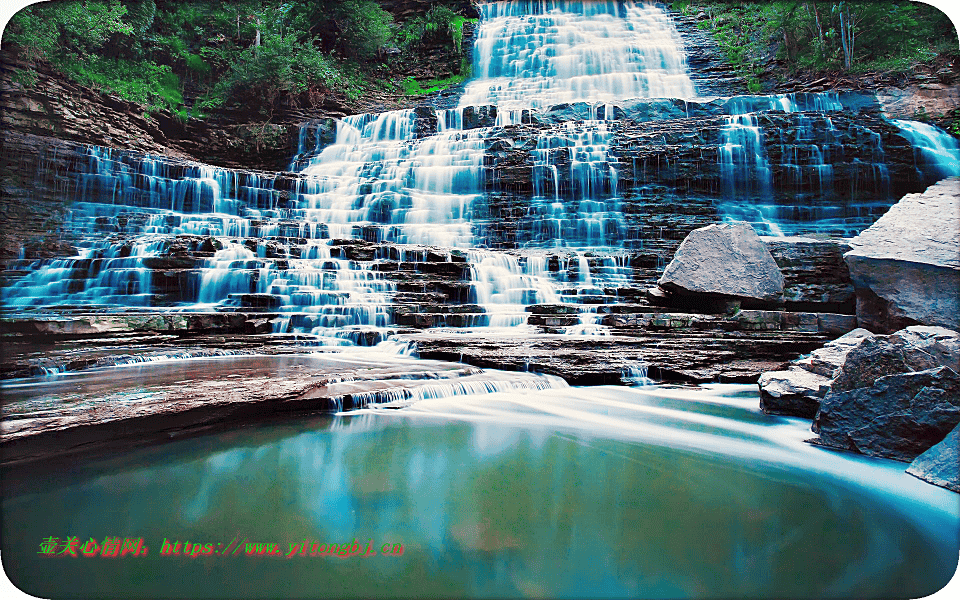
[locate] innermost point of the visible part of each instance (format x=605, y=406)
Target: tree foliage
x=78, y=28
x=821, y=35
x=191, y=56
x=437, y=24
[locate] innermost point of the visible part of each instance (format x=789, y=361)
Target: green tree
x=53, y=29
x=850, y=35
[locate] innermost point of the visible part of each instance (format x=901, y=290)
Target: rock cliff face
x=61, y=109
x=814, y=272
x=711, y=73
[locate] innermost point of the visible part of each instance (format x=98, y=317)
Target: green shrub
x=412, y=87
x=197, y=64
x=363, y=28
x=139, y=81
x=282, y=65
x=440, y=23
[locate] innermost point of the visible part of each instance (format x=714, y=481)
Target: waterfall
x=588, y=107
x=533, y=54
x=503, y=288
x=799, y=191
x=575, y=187
x=744, y=167
x=378, y=182
x=935, y=150
x=226, y=273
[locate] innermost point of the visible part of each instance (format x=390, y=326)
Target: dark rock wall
x=38, y=183
x=56, y=107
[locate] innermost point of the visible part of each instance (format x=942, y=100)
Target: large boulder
x=915, y=348
x=894, y=395
x=726, y=260
x=798, y=391
x=899, y=417
x=906, y=266
x=940, y=465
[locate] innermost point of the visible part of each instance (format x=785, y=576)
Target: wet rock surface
x=152, y=404
x=675, y=351
x=687, y=346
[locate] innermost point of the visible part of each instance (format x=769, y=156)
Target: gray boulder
x=726, y=260
x=940, y=465
x=900, y=416
x=906, y=266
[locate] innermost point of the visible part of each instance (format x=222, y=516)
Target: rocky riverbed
x=109, y=409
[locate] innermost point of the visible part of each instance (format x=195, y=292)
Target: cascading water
x=744, y=169
x=933, y=148
x=340, y=249
x=575, y=187
x=105, y=274
x=380, y=182
x=552, y=83
x=377, y=182
x=532, y=54
x=502, y=286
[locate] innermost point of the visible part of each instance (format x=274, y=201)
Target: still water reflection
x=588, y=492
